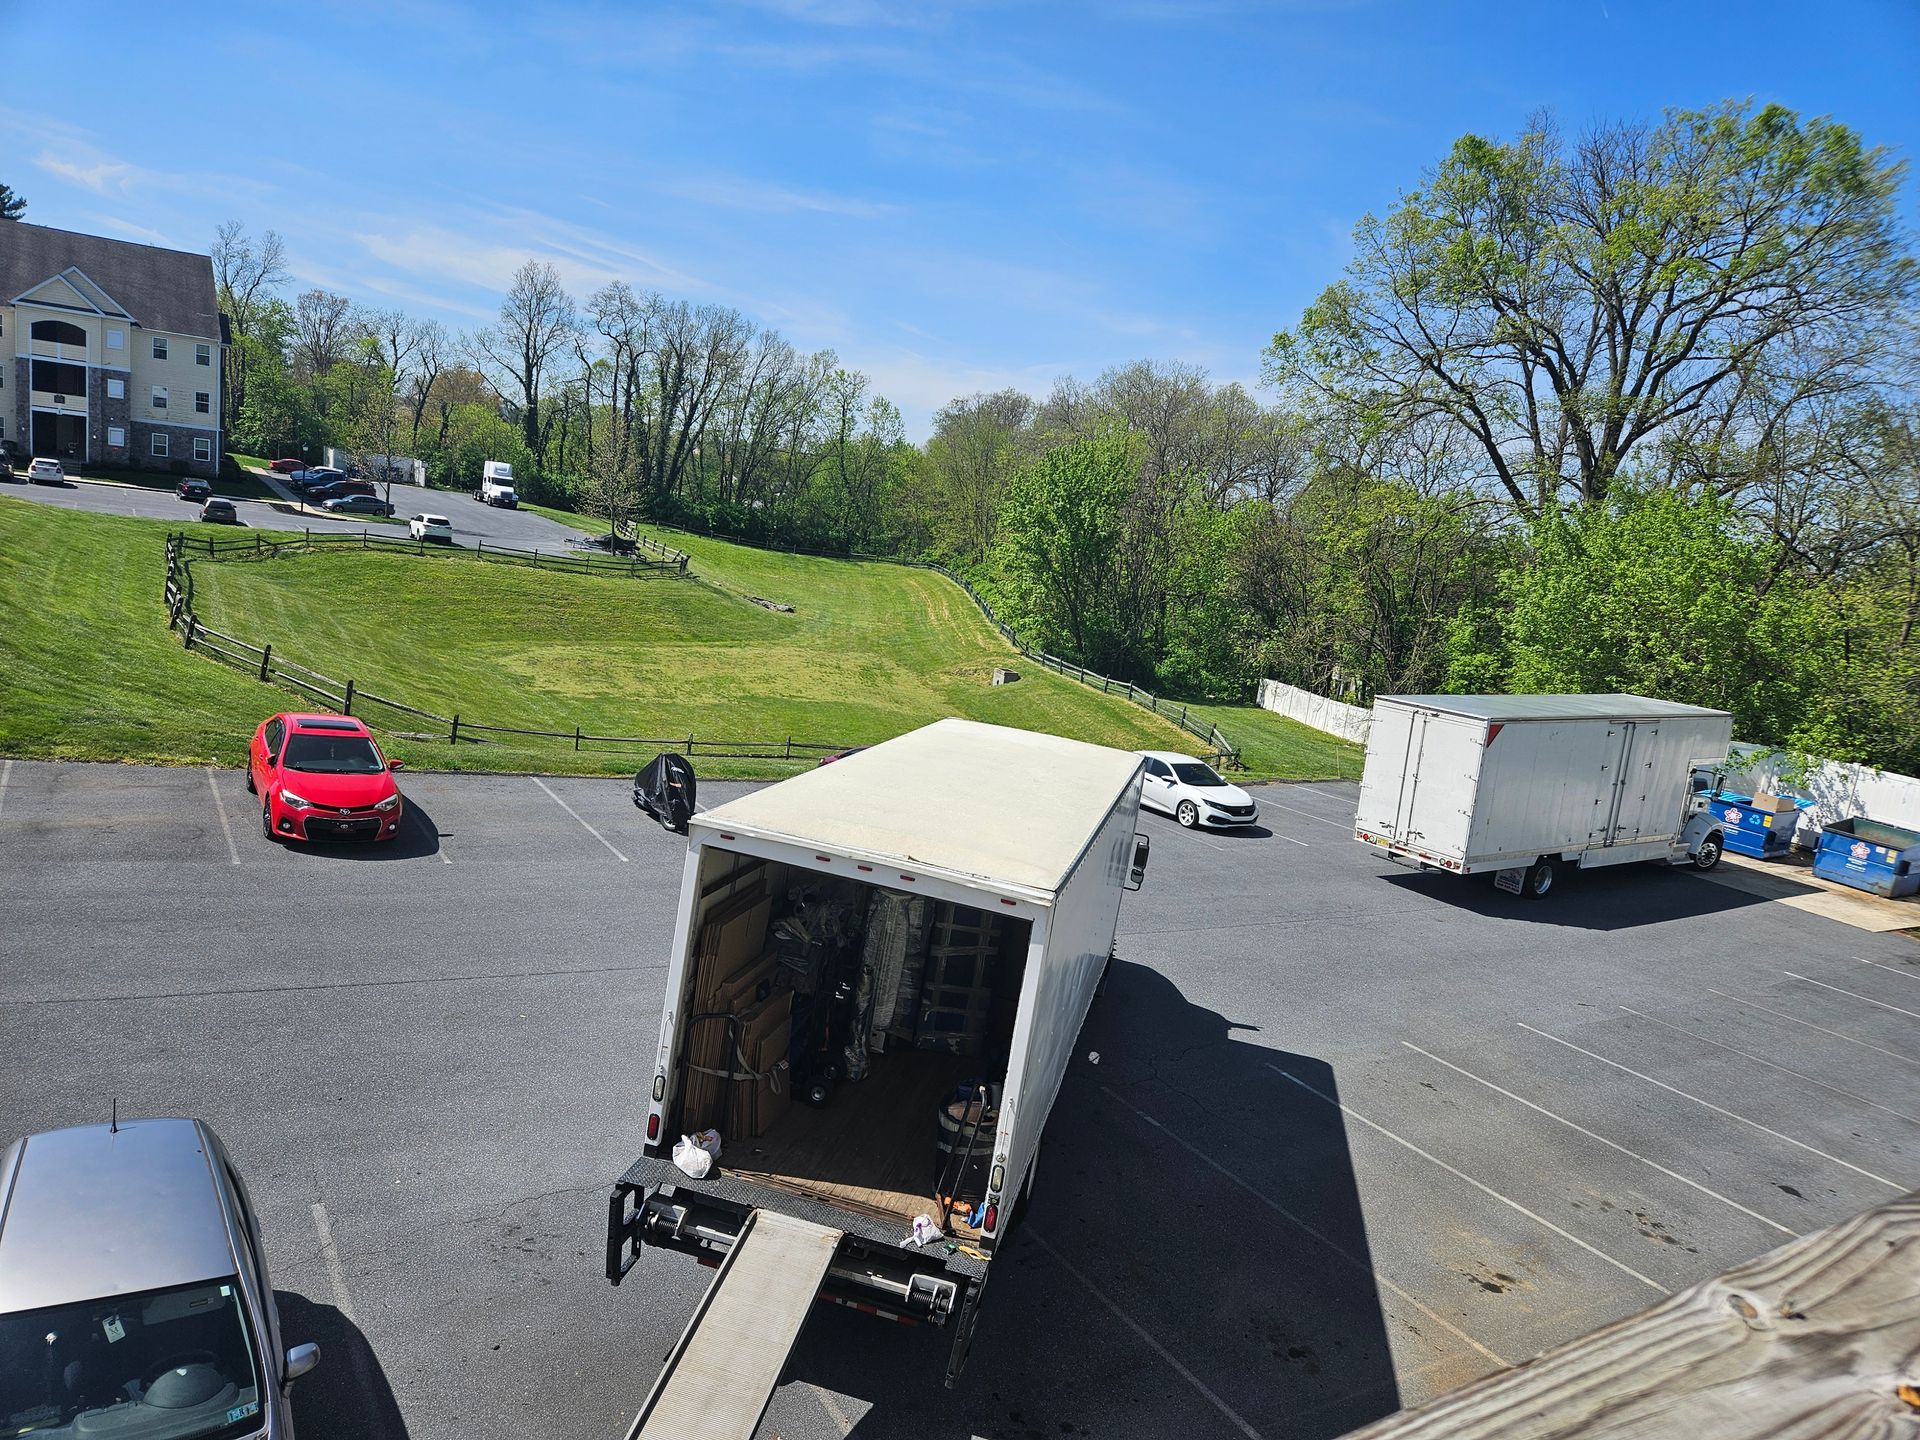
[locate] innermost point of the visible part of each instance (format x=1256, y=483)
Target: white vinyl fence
x=1349, y=722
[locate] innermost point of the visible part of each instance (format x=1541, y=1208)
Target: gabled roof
x=169, y=290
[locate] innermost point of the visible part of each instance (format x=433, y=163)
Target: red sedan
x=286, y=465
x=321, y=777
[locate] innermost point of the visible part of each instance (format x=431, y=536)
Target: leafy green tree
x=12, y=206
x=1565, y=306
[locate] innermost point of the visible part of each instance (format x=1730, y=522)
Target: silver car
x=134, y=1298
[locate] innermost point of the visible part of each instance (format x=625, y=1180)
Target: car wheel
x=1188, y=814
x=266, y=822
x=252, y=789
x=1708, y=855
x=1539, y=878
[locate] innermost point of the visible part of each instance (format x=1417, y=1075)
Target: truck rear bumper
x=654, y=1204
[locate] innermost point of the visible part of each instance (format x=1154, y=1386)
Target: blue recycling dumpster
x=1758, y=825
x=1863, y=853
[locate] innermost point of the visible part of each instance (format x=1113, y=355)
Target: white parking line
x=1487, y=1190
x=832, y=1407
x=1290, y=840
x=1890, y=969
x=6, y=773
x=1720, y=1110
x=1154, y=1345
x=226, y=825
x=576, y=815
x=1292, y=1219
x=1337, y=824
x=1772, y=1065
x=1915, y=1014
x=336, y=1277
x=1611, y=1145
x=1782, y=1015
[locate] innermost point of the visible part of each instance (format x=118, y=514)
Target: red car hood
x=358, y=792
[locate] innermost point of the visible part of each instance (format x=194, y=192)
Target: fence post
x=478, y=546
x=210, y=547
x=186, y=635
x=536, y=559
x=258, y=544
x=689, y=747
x=363, y=540
x=453, y=735
x=266, y=663
x=576, y=737
x=1183, y=717
x=789, y=754
x=348, y=708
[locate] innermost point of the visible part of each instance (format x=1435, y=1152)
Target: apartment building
x=110, y=352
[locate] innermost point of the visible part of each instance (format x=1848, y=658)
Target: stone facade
x=179, y=457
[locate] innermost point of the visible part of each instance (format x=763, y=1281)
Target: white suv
x=431, y=527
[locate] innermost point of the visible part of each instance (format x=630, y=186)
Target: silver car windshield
x=177, y=1364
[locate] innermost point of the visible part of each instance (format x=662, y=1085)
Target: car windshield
x=177, y=1364
x=1198, y=774
x=331, y=754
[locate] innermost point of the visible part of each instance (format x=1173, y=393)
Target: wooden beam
x=1817, y=1340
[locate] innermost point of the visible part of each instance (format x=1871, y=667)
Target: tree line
x=1631, y=409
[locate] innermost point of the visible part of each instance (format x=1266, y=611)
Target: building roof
x=95, y=1211
x=1552, y=707
x=169, y=290
x=1010, y=807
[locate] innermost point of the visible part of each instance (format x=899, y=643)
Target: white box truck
x=496, y=485
x=1521, y=785
x=878, y=975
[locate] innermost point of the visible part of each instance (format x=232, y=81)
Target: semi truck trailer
x=878, y=974
x=1524, y=786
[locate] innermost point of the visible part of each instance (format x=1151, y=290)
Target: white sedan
x=431, y=527
x=1192, y=792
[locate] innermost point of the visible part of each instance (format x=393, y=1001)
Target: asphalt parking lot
x=1354, y=1136
x=472, y=521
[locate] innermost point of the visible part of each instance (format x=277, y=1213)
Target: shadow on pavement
x=1245, y=1257
x=1618, y=897
x=346, y=1396
x=418, y=838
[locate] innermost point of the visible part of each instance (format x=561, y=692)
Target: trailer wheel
x=1708, y=855
x=1539, y=878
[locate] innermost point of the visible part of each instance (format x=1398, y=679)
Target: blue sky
x=953, y=197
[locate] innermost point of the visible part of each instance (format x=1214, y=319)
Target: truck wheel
x=1539, y=879
x=1188, y=814
x=1708, y=855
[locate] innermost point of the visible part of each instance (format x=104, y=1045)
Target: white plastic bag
x=695, y=1153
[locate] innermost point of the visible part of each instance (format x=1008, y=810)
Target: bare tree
x=323, y=331
x=245, y=275
x=536, y=320
x=433, y=352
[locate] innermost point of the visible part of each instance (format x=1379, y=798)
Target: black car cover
x=665, y=790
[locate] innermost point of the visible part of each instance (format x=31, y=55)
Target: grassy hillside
x=869, y=651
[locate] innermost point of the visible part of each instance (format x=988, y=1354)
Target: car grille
x=1243, y=812
x=320, y=828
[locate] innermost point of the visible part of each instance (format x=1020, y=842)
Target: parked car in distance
x=6, y=468
x=194, y=489
x=431, y=527
x=322, y=777
x=1193, y=792
x=334, y=488
x=219, y=512
x=133, y=1283
x=356, y=504
x=46, y=472
x=287, y=465
x=318, y=475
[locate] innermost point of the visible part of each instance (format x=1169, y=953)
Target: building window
x=159, y=347
x=203, y=354
x=203, y=448
x=116, y=438
x=202, y=403
x=116, y=339
x=116, y=388
x=159, y=397
x=160, y=444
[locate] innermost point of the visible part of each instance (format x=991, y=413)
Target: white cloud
x=735, y=193
x=91, y=171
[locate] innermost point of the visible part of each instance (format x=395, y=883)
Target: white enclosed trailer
x=1523, y=784
x=1015, y=844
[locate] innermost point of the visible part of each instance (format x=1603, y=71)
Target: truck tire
x=1708, y=855
x=1539, y=878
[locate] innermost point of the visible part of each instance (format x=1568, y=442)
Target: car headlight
x=287, y=797
x=392, y=802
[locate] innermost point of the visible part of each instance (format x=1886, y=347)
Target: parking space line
x=1890, y=969
x=6, y=773
x=1285, y=1214
x=433, y=836
x=1781, y=1014
x=226, y=825
x=1487, y=1190
x=1337, y=824
x=1914, y=1014
x=1152, y=1344
x=1720, y=1110
x=336, y=1277
x=576, y=815
x=1611, y=1145
x=1772, y=1065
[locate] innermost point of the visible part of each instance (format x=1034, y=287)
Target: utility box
x=1868, y=855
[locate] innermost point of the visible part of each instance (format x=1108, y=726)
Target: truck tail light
x=993, y=1219
x=659, y=1086
x=653, y=1127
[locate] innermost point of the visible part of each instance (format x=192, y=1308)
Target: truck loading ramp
x=720, y=1376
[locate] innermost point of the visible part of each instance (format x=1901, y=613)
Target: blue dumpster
x=1758, y=825
x=1863, y=853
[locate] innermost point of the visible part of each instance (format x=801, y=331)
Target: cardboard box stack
x=741, y=1023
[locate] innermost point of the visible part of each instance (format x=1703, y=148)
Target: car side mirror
x=396, y=764
x=1142, y=844
x=301, y=1359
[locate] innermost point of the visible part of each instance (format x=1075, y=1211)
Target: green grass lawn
x=1274, y=747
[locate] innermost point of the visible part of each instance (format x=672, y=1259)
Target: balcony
x=58, y=400
x=51, y=350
